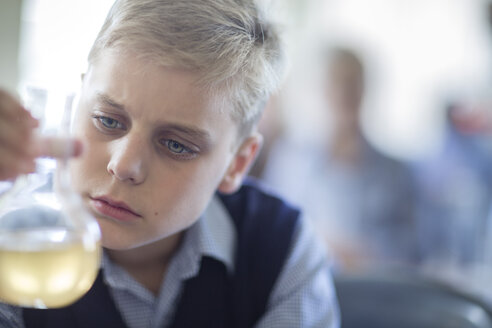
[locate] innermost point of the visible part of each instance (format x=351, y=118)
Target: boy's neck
x=148, y=264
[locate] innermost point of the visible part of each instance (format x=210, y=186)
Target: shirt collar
x=214, y=234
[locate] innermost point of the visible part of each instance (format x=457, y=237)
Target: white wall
x=56, y=38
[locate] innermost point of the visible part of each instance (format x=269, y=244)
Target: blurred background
x=381, y=131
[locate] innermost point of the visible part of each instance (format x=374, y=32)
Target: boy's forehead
x=119, y=62
x=135, y=63
x=119, y=69
x=117, y=76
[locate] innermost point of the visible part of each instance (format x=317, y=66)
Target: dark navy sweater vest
x=214, y=298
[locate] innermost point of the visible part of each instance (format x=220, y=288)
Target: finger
x=28, y=120
x=57, y=147
x=15, y=137
x=9, y=106
x=12, y=111
x=12, y=165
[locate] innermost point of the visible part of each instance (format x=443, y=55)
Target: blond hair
x=229, y=42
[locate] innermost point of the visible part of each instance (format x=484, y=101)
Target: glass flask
x=49, y=242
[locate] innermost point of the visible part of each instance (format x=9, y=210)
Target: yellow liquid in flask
x=46, y=268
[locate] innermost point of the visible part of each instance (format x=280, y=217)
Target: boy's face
x=156, y=149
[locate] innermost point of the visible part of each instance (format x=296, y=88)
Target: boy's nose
x=129, y=160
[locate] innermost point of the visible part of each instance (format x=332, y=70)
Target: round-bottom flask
x=49, y=243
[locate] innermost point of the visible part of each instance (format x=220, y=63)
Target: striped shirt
x=303, y=295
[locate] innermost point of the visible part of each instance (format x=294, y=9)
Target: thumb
x=57, y=147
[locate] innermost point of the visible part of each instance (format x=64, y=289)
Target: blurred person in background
x=455, y=190
x=455, y=187
x=361, y=199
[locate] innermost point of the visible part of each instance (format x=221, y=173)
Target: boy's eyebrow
x=194, y=133
x=107, y=100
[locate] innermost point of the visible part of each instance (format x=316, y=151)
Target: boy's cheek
x=91, y=164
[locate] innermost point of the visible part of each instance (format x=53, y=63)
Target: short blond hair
x=230, y=42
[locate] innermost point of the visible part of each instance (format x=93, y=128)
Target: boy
x=167, y=118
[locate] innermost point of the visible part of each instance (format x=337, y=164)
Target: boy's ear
x=241, y=163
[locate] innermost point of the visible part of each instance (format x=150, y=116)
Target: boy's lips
x=114, y=209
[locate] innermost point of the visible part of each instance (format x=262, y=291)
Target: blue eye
x=176, y=147
x=178, y=150
x=109, y=122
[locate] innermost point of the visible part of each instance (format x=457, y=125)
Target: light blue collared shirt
x=303, y=295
